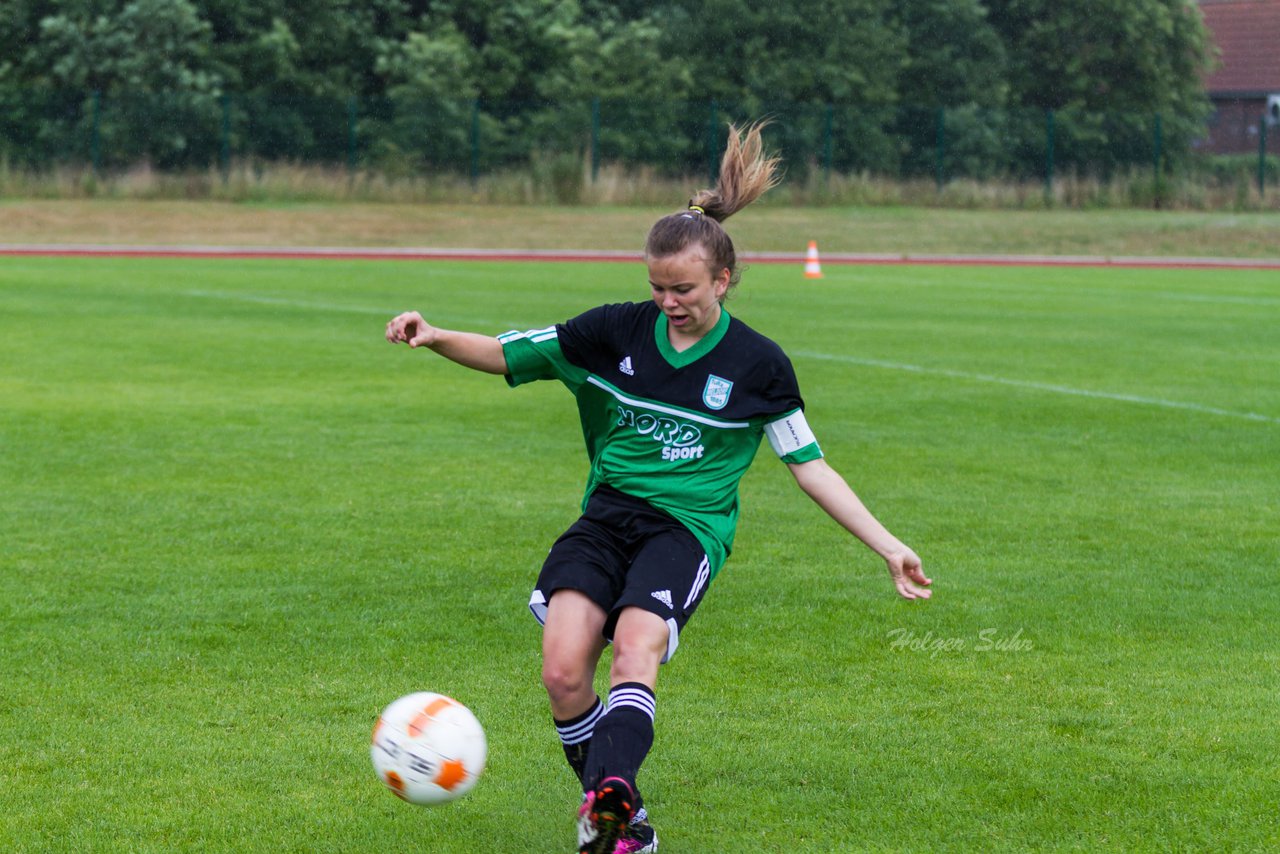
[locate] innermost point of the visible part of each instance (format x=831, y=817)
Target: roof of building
x=1247, y=35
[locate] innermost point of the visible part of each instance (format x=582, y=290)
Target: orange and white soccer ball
x=428, y=748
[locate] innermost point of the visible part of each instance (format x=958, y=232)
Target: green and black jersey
x=677, y=429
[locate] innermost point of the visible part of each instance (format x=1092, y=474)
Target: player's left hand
x=908, y=575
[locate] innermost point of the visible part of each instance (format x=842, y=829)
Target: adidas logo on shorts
x=663, y=596
x=625, y=367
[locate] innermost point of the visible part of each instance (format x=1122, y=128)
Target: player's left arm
x=829, y=491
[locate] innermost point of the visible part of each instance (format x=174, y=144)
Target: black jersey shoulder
x=764, y=382
x=604, y=334
x=745, y=376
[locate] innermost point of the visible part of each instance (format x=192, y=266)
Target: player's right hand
x=411, y=329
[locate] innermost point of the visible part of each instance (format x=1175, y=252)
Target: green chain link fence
x=40, y=130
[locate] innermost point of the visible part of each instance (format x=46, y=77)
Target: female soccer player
x=674, y=397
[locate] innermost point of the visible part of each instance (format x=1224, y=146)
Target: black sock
x=622, y=736
x=575, y=736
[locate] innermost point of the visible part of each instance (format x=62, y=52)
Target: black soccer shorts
x=623, y=552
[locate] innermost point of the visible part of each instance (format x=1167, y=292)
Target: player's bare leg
x=572, y=642
x=623, y=738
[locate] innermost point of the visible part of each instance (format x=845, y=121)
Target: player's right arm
x=479, y=352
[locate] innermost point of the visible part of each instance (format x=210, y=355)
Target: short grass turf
x=237, y=523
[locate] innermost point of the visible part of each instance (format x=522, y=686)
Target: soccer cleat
x=639, y=837
x=604, y=816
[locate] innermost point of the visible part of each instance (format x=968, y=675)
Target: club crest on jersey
x=716, y=394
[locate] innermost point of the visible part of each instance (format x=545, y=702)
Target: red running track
x=339, y=253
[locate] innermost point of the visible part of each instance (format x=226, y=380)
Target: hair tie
x=697, y=209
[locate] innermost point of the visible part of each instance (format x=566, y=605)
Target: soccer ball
x=428, y=748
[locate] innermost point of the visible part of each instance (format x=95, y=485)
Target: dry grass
x=771, y=226
x=568, y=179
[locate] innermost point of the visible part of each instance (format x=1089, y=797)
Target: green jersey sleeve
x=536, y=355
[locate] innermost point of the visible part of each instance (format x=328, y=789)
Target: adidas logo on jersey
x=625, y=367
x=663, y=596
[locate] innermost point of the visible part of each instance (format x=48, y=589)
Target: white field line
x=309, y=305
x=1033, y=289
x=291, y=303
x=804, y=354
x=1036, y=386
x=1217, y=298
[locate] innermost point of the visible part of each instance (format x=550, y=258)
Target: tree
x=857, y=84
x=952, y=87
x=790, y=61
x=1107, y=69
x=954, y=56
x=142, y=46
x=803, y=51
x=142, y=71
x=1098, y=55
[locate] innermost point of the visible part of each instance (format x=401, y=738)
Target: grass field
x=237, y=524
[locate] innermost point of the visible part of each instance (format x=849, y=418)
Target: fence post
x=595, y=138
x=940, y=148
x=712, y=171
x=475, y=142
x=224, y=146
x=1262, y=156
x=828, y=145
x=351, y=136
x=95, y=140
x=1048, y=155
x=1158, y=155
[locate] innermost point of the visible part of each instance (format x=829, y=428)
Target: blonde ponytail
x=746, y=173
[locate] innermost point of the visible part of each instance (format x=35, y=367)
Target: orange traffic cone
x=812, y=269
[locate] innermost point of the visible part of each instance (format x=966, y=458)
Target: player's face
x=684, y=288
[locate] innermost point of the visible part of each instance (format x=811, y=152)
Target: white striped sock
x=581, y=731
x=633, y=696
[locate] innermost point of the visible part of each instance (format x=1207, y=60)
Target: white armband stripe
x=789, y=434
